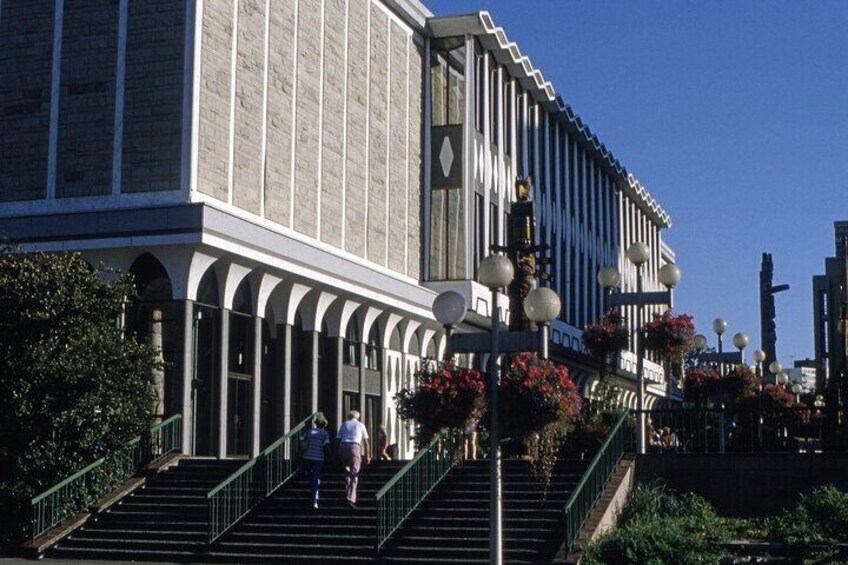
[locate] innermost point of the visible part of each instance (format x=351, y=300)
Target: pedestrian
x=353, y=446
x=316, y=442
x=382, y=446
x=469, y=436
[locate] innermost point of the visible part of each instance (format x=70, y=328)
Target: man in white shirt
x=351, y=434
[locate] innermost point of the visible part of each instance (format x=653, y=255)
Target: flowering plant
x=700, y=385
x=539, y=406
x=670, y=336
x=610, y=336
x=536, y=392
x=740, y=386
x=446, y=396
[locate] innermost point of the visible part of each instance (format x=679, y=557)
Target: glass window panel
x=456, y=235
x=438, y=205
x=438, y=90
x=456, y=96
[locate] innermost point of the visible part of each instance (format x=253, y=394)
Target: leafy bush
x=819, y=517
x=72, y=385
x=660, y=526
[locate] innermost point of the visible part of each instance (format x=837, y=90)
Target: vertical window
x=447, y=88
x=447, y=235
x=493, y=224
x=507, y=116
x=351, y=342
x=480, y=99
x=479, y=231
x=494, y=109
x=372, y=349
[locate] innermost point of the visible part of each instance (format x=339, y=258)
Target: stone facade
x=26, y=36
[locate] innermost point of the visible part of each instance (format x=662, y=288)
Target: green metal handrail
x=78, y=491
x=250, y=484
x=587, y=492
x=407, y=489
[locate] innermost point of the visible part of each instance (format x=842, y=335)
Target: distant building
x=830, y=307
x=804, y=372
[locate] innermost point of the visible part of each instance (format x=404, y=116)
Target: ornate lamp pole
x=542, y=306
x=638, y=253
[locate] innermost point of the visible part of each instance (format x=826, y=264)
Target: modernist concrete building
x=292, y=182
x=830, y=315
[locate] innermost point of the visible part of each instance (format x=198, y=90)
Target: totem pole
x=768, y=330
x=522, y=249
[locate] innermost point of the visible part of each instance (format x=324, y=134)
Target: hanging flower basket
x=740, y=386
x=701, y=385
x=446, y=396
x=670, y=337
x=535, y=393
x=608, y=337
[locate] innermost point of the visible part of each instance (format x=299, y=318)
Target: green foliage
x=660, y=526
x=72, y=385
x=819, y=517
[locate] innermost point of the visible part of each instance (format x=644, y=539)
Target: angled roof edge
x=508, y=54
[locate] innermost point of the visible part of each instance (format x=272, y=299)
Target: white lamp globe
x=449, y=308
x=775, y=367
x=496, y=271
x=740, y=340
x=782, y=378
x=700, y=342
x=759, y=355
x=669, y=275
x=638, y=253
x=719, y=326
x=542, y=305
x=796, y=388
x=609, y=277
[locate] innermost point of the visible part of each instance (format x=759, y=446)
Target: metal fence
x=405, y=491
x=587, y=492
x=715, y=430
x=250, y=484
x=82, y=489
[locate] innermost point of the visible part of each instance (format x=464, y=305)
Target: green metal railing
x=591, y=485
x=254, y=481
x=77, y=492
x=405, y=491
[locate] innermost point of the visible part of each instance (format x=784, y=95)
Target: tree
x=72, y=385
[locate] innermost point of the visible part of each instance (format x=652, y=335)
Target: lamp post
x=796, y=390
x=775, y=368
x=669, y=274
x=542, y=305
x=740, y=342
x=759, y=356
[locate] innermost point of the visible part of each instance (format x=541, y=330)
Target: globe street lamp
x=669, y=274
x=775, y=368
x=796, y=390
x=700, y=342
x=542, y=306
x=759, y=356
x=740, y=341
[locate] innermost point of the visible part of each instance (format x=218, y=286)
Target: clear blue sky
x=735, y=117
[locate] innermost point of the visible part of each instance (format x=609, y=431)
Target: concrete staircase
x=452, y=525
x=166, y=520
x=287, y=529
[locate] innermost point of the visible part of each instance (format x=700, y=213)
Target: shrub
x=819, y=517
x=660, y=526
x=73, y=386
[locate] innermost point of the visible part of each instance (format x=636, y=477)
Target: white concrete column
x=286, y=337
x=314, y=371
x=185, y=371
x=223, y=371
x=256, y=390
